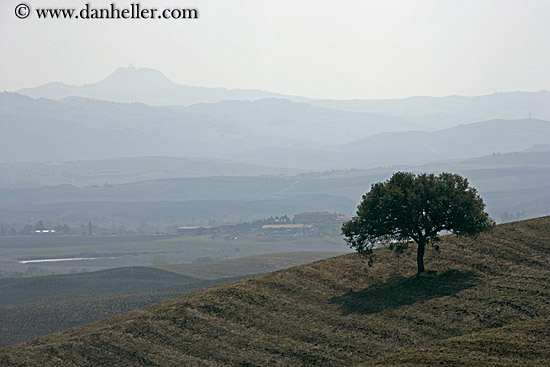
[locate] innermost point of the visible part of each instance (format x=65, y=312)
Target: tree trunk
x=420, y=255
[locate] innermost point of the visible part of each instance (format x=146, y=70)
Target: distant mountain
x=464, y=141
x=460, y=142
x=282, y=119
x=77, y=128
x=146, y=86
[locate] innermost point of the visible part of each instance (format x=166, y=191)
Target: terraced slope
x=334, y=312
x=520, y=344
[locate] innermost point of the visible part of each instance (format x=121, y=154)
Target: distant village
x=302, y=224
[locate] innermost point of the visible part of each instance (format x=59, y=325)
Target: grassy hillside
x=334, y=312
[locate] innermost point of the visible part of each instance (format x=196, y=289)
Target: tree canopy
x=410, y=207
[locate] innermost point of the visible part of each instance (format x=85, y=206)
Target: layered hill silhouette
x=340, y=312
x=78, y=128
x=412, y=147
x=464, y=141
x=439, y=112
x=509, y=183
x=125, y=170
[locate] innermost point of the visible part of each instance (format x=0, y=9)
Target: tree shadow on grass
x=399, y=292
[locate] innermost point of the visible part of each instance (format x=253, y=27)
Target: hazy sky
x=324, y=49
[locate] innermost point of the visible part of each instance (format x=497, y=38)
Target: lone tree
x=416, y=207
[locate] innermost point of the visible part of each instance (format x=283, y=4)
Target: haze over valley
x=139, y=150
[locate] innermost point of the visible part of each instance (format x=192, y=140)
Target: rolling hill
x=336, y=312
x=32, y=307
x=519, y=344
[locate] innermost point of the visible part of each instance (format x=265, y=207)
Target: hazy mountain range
x=267, y=132
x=78, y=128
x=153, y=88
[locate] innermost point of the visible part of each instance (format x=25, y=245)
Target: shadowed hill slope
x=315, y=314
x=128, y=279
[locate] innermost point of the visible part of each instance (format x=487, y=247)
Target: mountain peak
x=132, y=76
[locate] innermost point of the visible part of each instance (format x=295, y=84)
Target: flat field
x=98, y=253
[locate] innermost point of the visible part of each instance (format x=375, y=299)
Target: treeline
x=59, y=229
x=28, y=229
